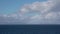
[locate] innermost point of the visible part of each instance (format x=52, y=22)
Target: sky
x=29, y=11
x=12, y=6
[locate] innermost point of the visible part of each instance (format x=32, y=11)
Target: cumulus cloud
x=46, y=12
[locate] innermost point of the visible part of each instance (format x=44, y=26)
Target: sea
x=29, y=29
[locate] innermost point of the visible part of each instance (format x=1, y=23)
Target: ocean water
x=29, y=29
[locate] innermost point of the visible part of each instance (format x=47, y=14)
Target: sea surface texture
x=29, y=29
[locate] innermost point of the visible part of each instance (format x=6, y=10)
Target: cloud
x=46, y=12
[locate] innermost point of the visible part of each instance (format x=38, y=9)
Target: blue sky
x=29, y=12
x=12, y=6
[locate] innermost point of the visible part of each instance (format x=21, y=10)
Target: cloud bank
x=46, y=12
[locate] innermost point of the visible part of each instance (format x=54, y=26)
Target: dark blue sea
x=29, y=29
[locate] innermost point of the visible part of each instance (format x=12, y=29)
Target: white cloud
x=47, y=12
